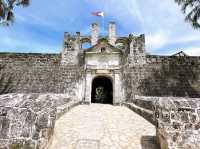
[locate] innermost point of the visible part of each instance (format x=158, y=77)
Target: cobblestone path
x=100, y=126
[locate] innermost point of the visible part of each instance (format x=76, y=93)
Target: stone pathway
x=100, y=126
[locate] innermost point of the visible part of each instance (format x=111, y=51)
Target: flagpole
x=101, y=15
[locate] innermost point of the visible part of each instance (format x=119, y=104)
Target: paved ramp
x=100, y=126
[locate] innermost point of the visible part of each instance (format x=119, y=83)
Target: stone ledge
x=147, y=114
x=65, y=108
x=177, y=119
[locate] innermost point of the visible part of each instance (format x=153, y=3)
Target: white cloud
x=157, y=40
x=125, y=12
x=160, y=40
x=161, y=21
x=164, y=26
x=189, y=38
x=192, y=51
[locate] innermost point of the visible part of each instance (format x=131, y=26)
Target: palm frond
x=24, y=3
x=192, y=10
x=2, y=10
x=6, y=10
x=193, y=17
x=10, y=16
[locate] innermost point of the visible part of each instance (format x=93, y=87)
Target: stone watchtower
x=137, y=55
x=71, y=49
x=103, y=62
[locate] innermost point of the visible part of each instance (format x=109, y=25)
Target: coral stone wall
x=42, y=73
x=37, y=73
x=177, y=119
x=163, y=76
x=178, y=122
x=27, y=120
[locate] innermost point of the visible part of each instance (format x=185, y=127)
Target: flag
x=98, y=14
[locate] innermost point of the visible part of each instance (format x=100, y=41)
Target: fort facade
x=165, y=90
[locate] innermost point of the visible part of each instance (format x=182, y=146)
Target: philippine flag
x=98, y=14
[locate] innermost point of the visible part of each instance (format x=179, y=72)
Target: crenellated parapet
x=132, y=47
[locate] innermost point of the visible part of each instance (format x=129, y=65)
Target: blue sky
x=40, y=27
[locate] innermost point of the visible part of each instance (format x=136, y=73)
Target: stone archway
x=102, y=90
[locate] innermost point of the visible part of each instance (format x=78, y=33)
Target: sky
x=39, y=28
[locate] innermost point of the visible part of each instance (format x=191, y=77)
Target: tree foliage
x=6, y=9
x=192, y=10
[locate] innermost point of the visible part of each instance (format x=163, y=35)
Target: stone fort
x=37, y=89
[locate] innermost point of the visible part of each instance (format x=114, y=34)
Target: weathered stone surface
x=140, y=74
x=176, y=119
x=37, y=73
x=176, y=123
x=27, y=120
x=163, y=76
x=103, y=126
x=142, y=111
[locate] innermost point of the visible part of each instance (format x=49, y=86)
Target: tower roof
x=181, y=53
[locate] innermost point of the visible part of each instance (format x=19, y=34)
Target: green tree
x=6, y=9
x=192, y=10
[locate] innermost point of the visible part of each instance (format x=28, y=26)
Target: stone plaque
x=102, y=71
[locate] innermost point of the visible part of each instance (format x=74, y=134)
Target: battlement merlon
x=94, y=34
x=132, y=44
x=112, y=33
x=137, y=44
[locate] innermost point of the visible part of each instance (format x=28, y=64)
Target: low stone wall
x=27, y=120
x=178, y=123
x=144, y=106
x=145, y=113
x=177, y=120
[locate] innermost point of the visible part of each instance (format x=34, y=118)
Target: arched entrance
x=102, y=90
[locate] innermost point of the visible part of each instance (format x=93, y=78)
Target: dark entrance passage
x=102, y=90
